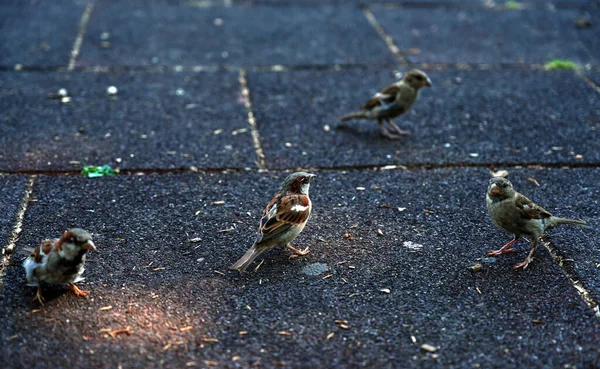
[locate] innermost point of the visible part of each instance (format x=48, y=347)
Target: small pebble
x=104, y=35
x=475, y=268
x=385, y=290
x=65, y=100
x=218, y=22
x=474, y=155
x=112, y=90
x=63, y=92
x=179, y=92
x=315, y=268
x=429, y=348
x=500, y=173
x=326, y=128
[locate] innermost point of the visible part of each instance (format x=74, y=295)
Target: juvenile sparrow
x=59, y=261
x=517, y=214
x=391, y=102
x=283, y=219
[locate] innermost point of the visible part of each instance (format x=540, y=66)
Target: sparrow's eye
x=72, y=240
x=419, y=78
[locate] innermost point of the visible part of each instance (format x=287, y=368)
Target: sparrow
x=391, y=102
x=283, y=219
x=59, y=261
x=516, y=214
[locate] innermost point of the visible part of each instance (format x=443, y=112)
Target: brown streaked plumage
x=283, y=219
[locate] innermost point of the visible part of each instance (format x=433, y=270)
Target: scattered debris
x=315, y=268
x=412, y=246
x=512, y=5
x=342, y=323
x=104, y=308
x=475, y=268
x=530, y=179
x=473, y=154
x=379, y=232
x=197, y=239
x=112, y=91
x=326, y=128
x=92, y=171
x=171, y=344
x=401, y=209
x=349, y=236
x=560, y=64
x=429, y=348
x=538, y=321
x=360, y=188
x=385, y=290
x=583, y=22
x=330, y=336
x=185, y=329
x=500, y=173
x=221, y=202
x=284, y=333
x=209, y=339
x=115, y=332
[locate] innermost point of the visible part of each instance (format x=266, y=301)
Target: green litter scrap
x=92, y=171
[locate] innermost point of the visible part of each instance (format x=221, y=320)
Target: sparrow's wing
x=386, y=96
x=283, y=213
x=529, y=210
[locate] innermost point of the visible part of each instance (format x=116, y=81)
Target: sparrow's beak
x=312, y=176
x=495, y=190
x=428, y=83
x=89, y=246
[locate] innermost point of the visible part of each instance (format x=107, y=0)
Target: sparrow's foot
x=523, y=264
x=389, y=135
x=499, y=252
x=296, y=251
x=397, y=129
x=38, y=296
x=76, y=290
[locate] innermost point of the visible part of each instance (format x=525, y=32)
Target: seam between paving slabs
x=252, y=120
x=588, y=80
x=423, y=166
x=570, y=272
x=9, y=249
x=389, y=41
x=85, y=18
x=281, y=67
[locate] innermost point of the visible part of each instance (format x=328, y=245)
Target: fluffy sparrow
x=391, y=102
x=283, y=219
x=59, y=261
x=517, y=214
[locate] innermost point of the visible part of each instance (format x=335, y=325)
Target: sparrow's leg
x=504, y=249
x=397, y=129
x=529, y=257
x=385, y=132
x=76, y=290
x=38, y=296
x=296, y=251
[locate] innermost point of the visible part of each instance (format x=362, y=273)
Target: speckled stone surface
x=156, y=120
x=463, y=35
x=193, y=35
x=508, y=116
x=159, y=283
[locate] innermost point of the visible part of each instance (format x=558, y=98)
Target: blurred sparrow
x=283, y=219
x=59, y=261
x=392, y=102
x=517, y=214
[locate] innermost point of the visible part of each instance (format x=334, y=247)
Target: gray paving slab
x=450, y=35
x=156, y=120
x=38, y=33
x=142, y=224
x=188, y=35
x=10, y=198
x=508, y=116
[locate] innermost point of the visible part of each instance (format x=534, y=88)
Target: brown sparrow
x=392, y=101
x=517, y=214
x=283, y=219
x=59, y=261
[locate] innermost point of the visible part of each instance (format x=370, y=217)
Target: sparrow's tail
x=555, y=221
x=355, y=115
x=247, y=259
